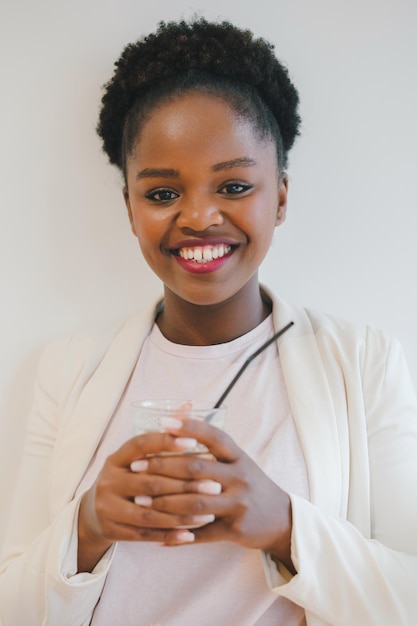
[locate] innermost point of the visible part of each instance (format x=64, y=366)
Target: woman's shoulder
x=79, y=353
x=329, y=324
x=326, y=329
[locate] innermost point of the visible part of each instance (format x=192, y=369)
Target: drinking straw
x=245, y=365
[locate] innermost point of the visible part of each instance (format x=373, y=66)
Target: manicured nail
x=139, y=466
x=184, y=536
x=143, y=500
x=185, y=442
x=209, y=487
x=171, y=423
x=184, y=408
x=203, y=519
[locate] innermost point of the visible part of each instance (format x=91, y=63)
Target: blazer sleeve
x=38, y=584
x=345, y=578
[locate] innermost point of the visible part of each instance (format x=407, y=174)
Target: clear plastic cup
x=147, y=416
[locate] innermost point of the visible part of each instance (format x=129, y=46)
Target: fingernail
x=184, y=408
x=203, y=519
x=171, y=423
x=143, y=500
x=185, y=442
x=185, y=536
x=139, y=466
x=209, y=487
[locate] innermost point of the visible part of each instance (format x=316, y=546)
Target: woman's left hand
x=251, y=509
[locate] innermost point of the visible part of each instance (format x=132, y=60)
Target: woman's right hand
x=108, y=511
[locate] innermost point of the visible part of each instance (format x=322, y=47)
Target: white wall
x=68, y=257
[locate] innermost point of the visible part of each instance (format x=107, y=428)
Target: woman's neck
x=202, y=325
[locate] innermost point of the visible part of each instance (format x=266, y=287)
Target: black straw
x=245, y=365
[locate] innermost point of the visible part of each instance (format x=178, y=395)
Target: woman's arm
x=37, y=582
x=343, y=577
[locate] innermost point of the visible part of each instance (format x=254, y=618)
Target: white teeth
x=204, y=254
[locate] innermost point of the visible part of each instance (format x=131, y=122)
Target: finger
x=192, y=467
x=219, y=530
x=183, y=410
x=126, y=514
x=177, y=536
x=141, y=446
x=216, y=440
x=196, y=504
x=209, y=533
x=156, y=485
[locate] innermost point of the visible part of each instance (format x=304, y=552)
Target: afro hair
x=218, y=55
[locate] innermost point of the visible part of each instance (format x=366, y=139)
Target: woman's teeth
x=204, y=254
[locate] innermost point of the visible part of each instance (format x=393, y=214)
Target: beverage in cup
x=147, y=415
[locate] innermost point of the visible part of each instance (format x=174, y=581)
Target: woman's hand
x=109, y=513
x=251, y=509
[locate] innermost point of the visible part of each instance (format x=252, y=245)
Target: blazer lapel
x=312, y=406
x=77, y=440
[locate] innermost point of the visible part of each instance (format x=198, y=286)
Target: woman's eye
x=234, y=188
x=161, y=195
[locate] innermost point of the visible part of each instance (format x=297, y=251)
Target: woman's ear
x=282, y=199
x=129, y=210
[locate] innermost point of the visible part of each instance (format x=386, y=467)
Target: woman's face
x=203, y=197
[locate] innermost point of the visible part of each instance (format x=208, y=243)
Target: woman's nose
x=199, y=214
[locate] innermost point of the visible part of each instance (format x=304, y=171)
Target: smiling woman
x=306, y=509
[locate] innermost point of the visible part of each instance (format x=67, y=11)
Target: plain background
x=68, y=257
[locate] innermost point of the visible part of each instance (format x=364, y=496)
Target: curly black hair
x=218, y=58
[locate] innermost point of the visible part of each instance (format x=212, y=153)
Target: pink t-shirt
x=206, y=584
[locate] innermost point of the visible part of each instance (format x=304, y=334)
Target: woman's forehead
x=198, y=119
x=185, y=131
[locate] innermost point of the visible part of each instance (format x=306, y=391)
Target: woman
x=308, y=513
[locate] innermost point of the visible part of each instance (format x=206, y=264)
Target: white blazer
x=354, y=545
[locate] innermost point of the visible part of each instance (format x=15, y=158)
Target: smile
x=204, y=254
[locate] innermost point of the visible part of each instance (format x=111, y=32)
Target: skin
x=194, y=136
x=220, y=181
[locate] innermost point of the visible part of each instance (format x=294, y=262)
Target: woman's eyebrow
x=158, y=172
x=240, y=162
x=153, y=172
